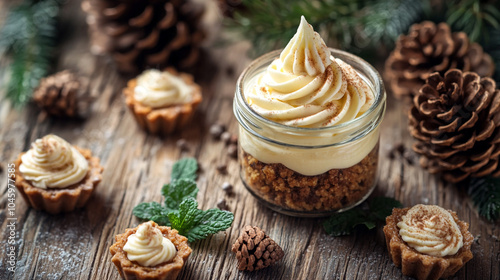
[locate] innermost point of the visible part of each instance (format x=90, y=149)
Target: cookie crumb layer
x=333, y=190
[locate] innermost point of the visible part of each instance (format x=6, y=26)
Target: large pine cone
x=255, y=250
x=145, y=33
x=456, y=120
x=59, y=94
x=427, y=49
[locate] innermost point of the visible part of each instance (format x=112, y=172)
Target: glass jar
x=309, y=172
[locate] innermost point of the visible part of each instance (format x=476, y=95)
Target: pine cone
x=255, y=250
x=145, y=33
x=427, y=49
x=456, y=120
x=59, y=94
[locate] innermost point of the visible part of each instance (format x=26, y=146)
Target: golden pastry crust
x=165, y=271
x=65, y=199
x=421, y=266
x=167, y=119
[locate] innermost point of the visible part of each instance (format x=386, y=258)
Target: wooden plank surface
x=76, y=245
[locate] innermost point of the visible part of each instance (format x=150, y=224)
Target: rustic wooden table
x=76, y=245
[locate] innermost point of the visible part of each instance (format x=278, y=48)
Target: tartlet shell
x=66, y=199
x=167, y=119
x=167, y=271
x=421, y=266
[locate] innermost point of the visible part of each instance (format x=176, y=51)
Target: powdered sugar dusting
x=62, y=245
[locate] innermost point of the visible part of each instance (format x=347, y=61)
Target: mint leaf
x=146, y=210
x=184, y=219
x=197, y=224
x=212, y=221
x=162, y=220
x=381, y=207
x=184, y=169
x=177, y=191
x=344, y=223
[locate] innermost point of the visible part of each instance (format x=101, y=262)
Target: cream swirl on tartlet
x=431, y=230
x=158, y=89
x=149, y=247
x=53, y=163
x=307, y=87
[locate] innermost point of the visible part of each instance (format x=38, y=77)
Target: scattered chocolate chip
x=234, y=139
x=216, y=130
x=1, y=167
x=400, y=148
x=182, y=144
x=230, y=70
x=232, y=151
x=222, y=205
x=392, y=154
x=227, y=187
x=226, y=137
x=222, y=168
x=409, y=157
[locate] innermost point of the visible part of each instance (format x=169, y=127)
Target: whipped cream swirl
x=159, y=89
x=431, y=230
x=53, y=163
x=148, y=247
x=307, y=87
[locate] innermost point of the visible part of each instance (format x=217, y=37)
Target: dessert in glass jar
x=309, y=127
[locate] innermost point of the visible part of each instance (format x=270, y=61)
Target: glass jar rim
x=378, y=87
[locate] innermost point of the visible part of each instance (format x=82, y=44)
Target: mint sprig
x=180, y=208
x=344, y=223
x=198, y=224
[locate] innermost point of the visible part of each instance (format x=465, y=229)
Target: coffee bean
x=232, y=151
x=216, y=130
x=222, y=168
x=227, y=187
x=222, y=205
x=226, y=137
x=182, y=144
x=234, y=139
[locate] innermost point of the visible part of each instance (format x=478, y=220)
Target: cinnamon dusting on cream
x=298, y=88
x=431, y=230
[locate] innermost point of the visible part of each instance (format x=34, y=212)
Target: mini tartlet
x=163, y=271
x=437, y=243
x=56, y=177
x=162, y=101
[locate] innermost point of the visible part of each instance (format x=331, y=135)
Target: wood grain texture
x=76, y=245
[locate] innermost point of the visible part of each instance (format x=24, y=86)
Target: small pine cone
x=456, y=120
x=430, y=48
x=59, y=94
x=255, y=250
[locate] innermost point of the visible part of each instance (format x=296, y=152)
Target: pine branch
x=384, y=21
x=28, y=37
x=474, y=17
x=269, y=24
x=492, y=47
x=485, y=193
